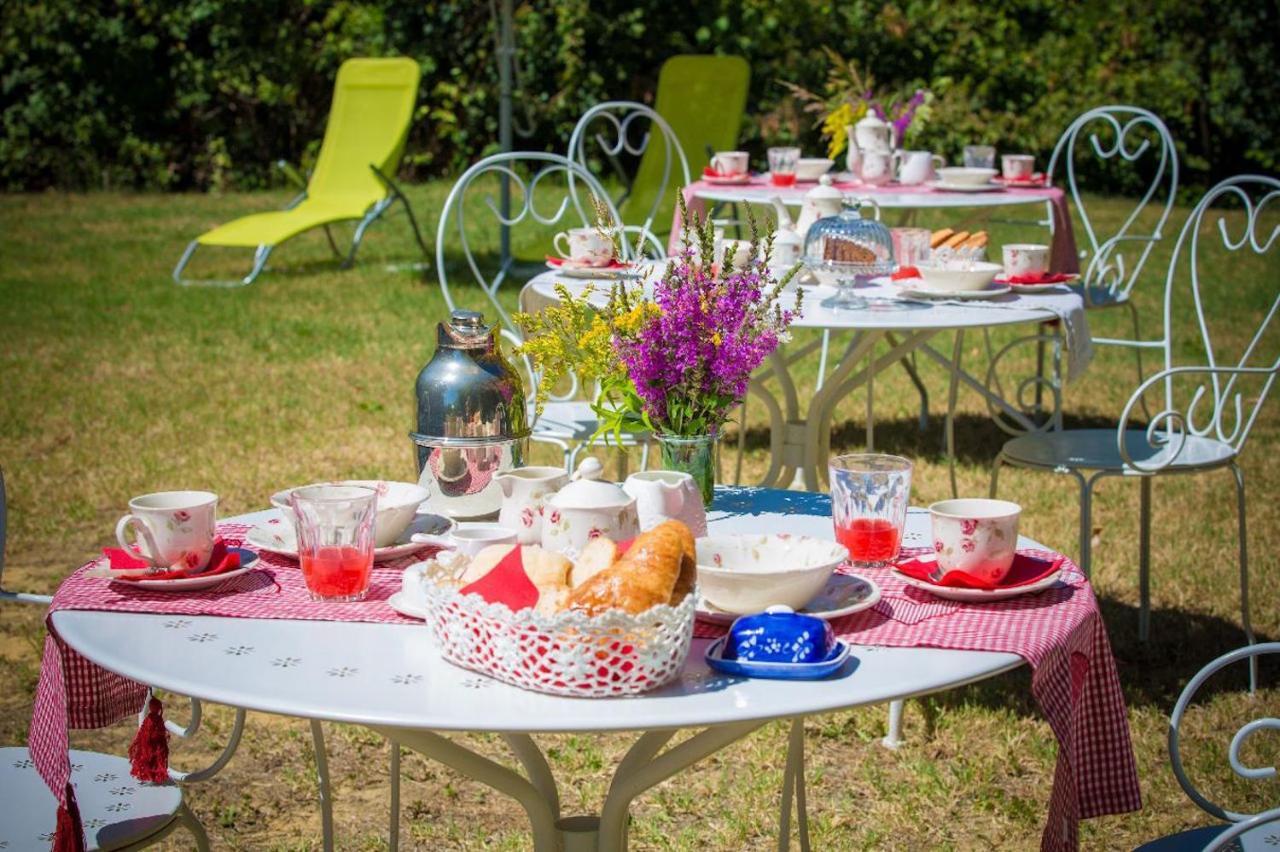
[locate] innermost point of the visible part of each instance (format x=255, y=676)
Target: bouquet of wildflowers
x=678, y=361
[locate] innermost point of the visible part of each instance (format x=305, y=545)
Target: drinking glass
x=782, y=166
x=869, y=497
x=910, y=245
x=979, y=157
x=335, y=539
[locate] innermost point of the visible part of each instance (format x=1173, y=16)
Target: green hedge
x=205, y=94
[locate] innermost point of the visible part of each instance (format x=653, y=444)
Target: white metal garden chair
x=1207, y=409
x=116, y=811
x=1246, y=832
x=567, y=420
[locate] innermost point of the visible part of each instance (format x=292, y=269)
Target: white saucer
x=594, y=272
x=400, y=603
x=843, y=595
x=194, y=584
x=926, y=293
x=965, y=187
x=719, y=180
x=952, y=593
x=280, y=539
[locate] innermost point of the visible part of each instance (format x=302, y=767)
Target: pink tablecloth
x=1063, y=255
x=74, y=693
x=1059, y=632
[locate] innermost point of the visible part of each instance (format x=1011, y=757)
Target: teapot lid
x=589, y=491
x=872, y=120
x=824, y=191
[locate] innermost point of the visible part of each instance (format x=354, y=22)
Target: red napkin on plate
x=707, y=171
x=1037, y=278
x=1025, y=571
x=1036, y=180
x=905, y=272
x=128, y=567
x=560, y=261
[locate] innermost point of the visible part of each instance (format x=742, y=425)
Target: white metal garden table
x=390, y=678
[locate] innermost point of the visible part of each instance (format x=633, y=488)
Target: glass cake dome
x=846, y=249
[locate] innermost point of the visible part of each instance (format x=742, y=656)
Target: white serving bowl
x=962, y=176
x=747, y=573
x=967, y=276
x=812, y=168
x=397, y=504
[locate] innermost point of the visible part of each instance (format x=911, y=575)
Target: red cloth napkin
x=707, y=171
x=507, y=584
x=561, y=261
x=1036, y=278
x=905, y=272
x=221, y=560
x=1036, y=180
x=1025, y=571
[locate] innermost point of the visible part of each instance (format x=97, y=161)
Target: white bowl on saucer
x=398, y=502
x=812, y=168
x=962, y=176
x=747, y=573
x=977, y=275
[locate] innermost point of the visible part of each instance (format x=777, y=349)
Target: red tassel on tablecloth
x=149, y=751
x=69, y=835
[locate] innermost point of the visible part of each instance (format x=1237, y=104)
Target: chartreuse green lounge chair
x=703, y=99
x=373, y=102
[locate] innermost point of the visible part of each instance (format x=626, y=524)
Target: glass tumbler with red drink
x=335, y=539
x=870, y=493
x=782, y=166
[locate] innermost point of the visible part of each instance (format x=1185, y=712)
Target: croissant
x=688, y=566
x=644, y=577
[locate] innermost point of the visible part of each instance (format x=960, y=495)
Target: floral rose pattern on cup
x=526, y=516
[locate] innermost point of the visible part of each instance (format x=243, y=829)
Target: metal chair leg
x=1144, y=560
x=793, y=780
x=1086, y=523
x=1137, y=354
x=260, y=255
x=995, y=475
x=957, y=353
x=1241, y=512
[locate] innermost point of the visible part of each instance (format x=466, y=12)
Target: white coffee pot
x=586, y=508
x=820, y=202
x=525, y=491
x=667, y=495
x=873, y=134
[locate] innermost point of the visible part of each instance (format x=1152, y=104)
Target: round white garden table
x=892, y=196
x=800, y=440
x=390, y=678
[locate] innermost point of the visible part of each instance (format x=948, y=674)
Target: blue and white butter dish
x=780, y=644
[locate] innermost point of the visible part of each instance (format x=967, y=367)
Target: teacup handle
x=939, y=161
x=562, y=251
x=122, y=528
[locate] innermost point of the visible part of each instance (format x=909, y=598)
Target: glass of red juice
x=870, y=493
x=335, y=539
x=782, y=165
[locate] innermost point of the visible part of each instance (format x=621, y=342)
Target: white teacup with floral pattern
x=977, y=536
x=173, y=528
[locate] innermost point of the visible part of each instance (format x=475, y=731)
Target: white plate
x=737, y=180
x=194, y=584
x=843, y=595
x=280, y=539
x=1056, y=287
x=979, y=595
x=594, y=272
x=965, y=187
x=400, y=603
x=924, y=293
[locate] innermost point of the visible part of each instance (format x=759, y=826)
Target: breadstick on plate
x=940, y=236
x=955, y=240
x=977, y=241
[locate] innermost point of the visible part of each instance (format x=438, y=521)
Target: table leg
x=962, y=376
x=322, y=778
x=957, y=352
x=793, y=778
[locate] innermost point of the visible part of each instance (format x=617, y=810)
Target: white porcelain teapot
x=586, y=508
x=873, y=134
x=667, y=495
x=820, y=202
x=524, y=495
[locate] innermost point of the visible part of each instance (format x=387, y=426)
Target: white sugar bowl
x=586, y=508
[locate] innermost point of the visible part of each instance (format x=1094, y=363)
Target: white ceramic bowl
x=967, y=276
x=962, y=176
x=397, y=504
x=812, y=168
x=975, y=535
x=747, y=573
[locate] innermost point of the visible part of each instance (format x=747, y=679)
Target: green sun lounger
x=373, y=102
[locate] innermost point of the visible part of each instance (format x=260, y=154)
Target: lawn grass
x=114, y=382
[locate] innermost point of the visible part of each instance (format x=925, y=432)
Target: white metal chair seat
x=1261, y=838
x=1097, y=449
x=1100, y=296
x=115, y=809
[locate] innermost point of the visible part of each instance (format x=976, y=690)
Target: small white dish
x=965, y=187
x=844, y=594
x=1055, y=287
x=195, y=584
x=965, y=176
x=749, y=573
x=953, y=593
x=594, y=273
x=809, y=169
x=281, y=539
x=406, y=606
x=958, y=275
x=916, y=291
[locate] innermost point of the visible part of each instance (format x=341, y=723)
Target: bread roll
x=645, y=577
x=598, y=555
x=955, y=240
x=484, y=562
x=940, y=236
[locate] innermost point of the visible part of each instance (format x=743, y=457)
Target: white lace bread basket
x=569, y=653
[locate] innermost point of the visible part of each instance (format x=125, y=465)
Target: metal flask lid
x=468, y=394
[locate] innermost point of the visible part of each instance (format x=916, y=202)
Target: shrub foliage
x=208, y=93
